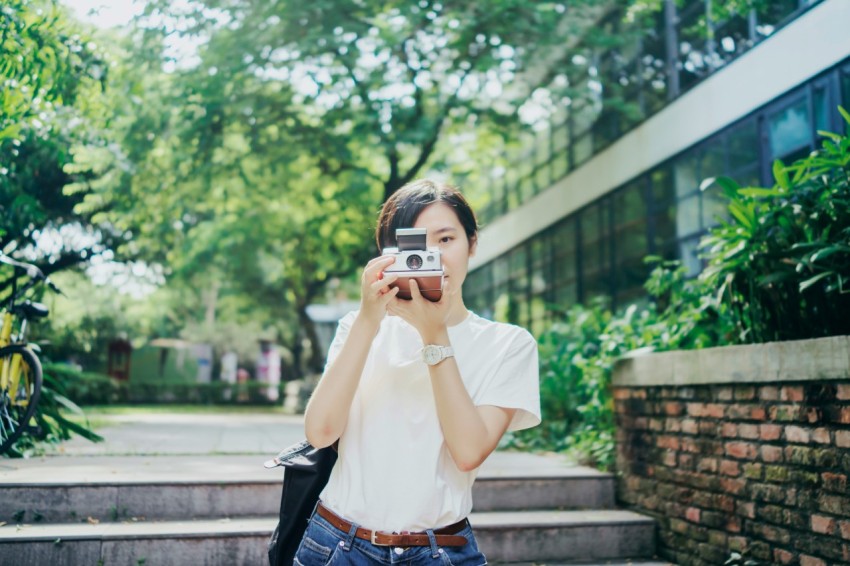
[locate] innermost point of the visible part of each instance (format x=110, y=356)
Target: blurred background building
x=616, y=175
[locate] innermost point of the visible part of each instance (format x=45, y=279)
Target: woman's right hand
x=375, y=291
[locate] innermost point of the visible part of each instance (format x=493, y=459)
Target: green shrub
x=783, y=262
x=577, y=357
x=52, y=416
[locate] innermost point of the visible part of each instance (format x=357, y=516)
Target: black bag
x=305, y=474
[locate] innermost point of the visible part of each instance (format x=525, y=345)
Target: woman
x=413, y=434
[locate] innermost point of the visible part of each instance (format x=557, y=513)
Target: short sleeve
x=516, y=383
x=342, y=329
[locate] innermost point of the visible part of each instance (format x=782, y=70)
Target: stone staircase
x=211, y=510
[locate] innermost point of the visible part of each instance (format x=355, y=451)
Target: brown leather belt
x=446, y=536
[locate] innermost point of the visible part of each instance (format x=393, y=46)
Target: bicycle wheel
x=21, y=388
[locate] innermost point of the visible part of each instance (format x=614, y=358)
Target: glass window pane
x=743, y=146
x=845, y=89
x=688, y=253
x=713, y=158
x=820, y=101
x=789, y=130
x=715, y=206
x=687, y=216
x=685, y=176
x=661, y=188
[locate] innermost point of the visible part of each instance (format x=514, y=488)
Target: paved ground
x=214, y=432
x=213, y=445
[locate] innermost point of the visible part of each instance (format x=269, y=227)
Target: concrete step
x=57, y=490
x=534, y=536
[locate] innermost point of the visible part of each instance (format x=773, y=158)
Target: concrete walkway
x=212, y=432
x=204, y=446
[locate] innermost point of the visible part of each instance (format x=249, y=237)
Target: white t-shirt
x=394, y=471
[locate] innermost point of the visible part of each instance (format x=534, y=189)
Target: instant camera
x=414, y=260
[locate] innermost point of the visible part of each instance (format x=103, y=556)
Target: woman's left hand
x=428, y=317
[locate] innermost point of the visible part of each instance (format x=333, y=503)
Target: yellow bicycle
x=20, y=368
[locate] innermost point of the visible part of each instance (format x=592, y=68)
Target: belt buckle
x=374, y=541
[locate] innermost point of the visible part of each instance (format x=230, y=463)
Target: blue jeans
x=323, y=544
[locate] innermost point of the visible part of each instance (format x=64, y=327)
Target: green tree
x=48, y=68
x=257, y=169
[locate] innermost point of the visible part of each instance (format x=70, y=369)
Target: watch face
x=431, y=355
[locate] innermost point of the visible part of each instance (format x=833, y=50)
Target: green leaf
x=809, y=282
x=781, y=175
x=730, y=186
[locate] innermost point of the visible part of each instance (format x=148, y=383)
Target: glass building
x=617, y=175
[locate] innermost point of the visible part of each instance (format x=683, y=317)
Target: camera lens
x=414, y=261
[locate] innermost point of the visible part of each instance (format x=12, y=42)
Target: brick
x=834, y=504
x=772, y=533
x=842, y=392
x=844, y=528
x=753, y=471
x=748, y=431
x=745, y=393
x=826, y=458
x=733, y=525
x=729, y=430
x=730, y=468
x=758, y=414
x=638, y=393
x=822, y=524
x=692, y=514
x=746, y=509
x=669, y=458
x=773, y=513
x=669, y=442
x=724, y=393
x=771, y=453
x=770, y=431
x=785, y=413
x=718, y=538
x=707, y=465
x=738, y=544
x=842, y=438
x=782, y=556
x=741, y=450
x=821, y=436
x=708, y=428
x=834, y=482
x=673, y=425
x=656, y=425
x=673, y=408
x=777, y=474
x=723, y=503
x=768, y=493
x=622, y=393
x=806, y=560
x=690, y=426
x=844, y=416
x=800, y=455
x=733, y=486
x=769, y=393
x=791, y=393
x=797, y=434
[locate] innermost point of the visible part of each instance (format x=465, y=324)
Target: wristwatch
x=432, y=354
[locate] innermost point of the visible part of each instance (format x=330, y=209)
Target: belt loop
x=315, y=507
x=349, y=539
x=433, y=540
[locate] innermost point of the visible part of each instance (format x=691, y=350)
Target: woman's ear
x=473, y=245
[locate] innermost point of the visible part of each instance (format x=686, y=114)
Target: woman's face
x=446, y=233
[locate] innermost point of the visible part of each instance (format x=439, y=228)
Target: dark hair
x=404, y=206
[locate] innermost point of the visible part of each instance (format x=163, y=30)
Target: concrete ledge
x=799, y=360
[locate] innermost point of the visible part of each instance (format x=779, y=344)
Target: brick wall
x=725, y=467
